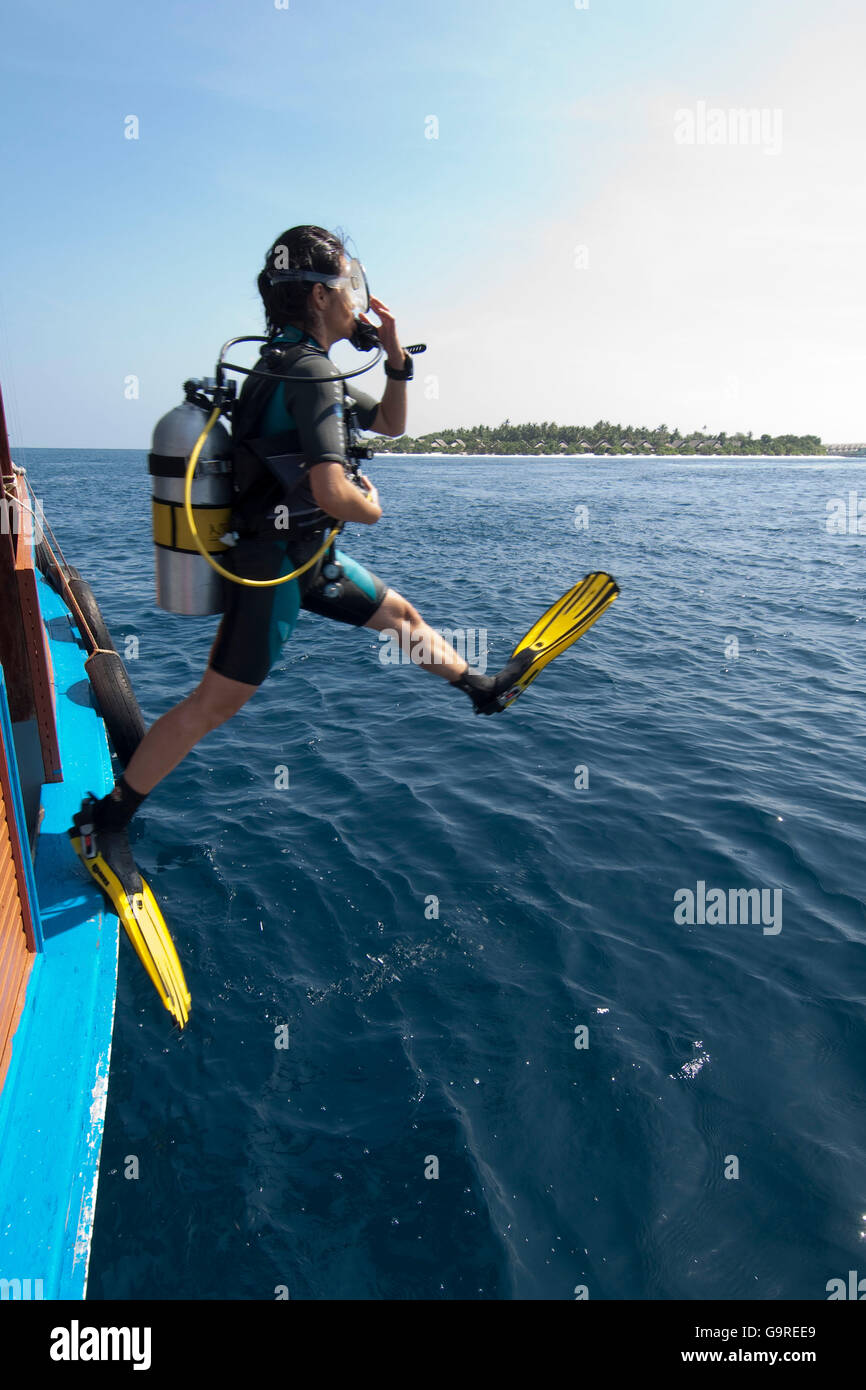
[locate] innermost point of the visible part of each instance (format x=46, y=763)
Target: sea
x=565, y=1003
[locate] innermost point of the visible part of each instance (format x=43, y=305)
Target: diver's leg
x=255, y=624
x=362, y=599
x=168, y=741
x=418, y=640
x=425, y=646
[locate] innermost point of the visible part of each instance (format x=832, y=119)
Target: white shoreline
x=823, y=458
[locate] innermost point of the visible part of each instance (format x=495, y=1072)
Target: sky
x=559, y=198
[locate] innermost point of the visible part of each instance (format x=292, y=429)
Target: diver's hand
x=387, y=331
x=339, y=496
x=370, y=488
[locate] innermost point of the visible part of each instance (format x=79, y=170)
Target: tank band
x=170, y=466
x=171, y=528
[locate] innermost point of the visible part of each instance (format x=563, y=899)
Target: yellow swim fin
x=562, y=624
x=108, y=859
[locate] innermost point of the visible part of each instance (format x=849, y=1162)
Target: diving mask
x=355, y=281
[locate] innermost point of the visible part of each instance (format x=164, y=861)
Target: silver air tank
x=185, y=582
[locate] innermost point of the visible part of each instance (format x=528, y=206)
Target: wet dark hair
x=300, y=248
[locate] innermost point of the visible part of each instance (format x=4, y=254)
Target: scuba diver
x=294, y=479
x=310, y=313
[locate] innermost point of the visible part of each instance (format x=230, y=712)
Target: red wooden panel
x=41, y=673
x=15, y=925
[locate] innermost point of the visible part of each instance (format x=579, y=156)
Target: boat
x=62, y=691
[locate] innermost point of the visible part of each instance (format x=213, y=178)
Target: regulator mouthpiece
x=365, y=336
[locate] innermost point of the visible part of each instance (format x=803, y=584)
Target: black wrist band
x=407, y=372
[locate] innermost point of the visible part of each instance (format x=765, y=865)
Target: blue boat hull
x=52, y=1106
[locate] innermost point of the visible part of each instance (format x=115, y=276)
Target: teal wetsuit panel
x=276, y=419
x=319, y=417
x=257, y=622
x=284, y=615
x=358, y=574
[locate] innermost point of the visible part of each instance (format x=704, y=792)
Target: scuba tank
x=185, y=582
x=225, y=473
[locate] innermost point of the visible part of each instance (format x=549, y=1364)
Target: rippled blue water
x=414, y=1037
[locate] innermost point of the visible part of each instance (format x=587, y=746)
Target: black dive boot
x=112, y=813
x=485, y=691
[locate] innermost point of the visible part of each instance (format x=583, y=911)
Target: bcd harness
x=269, y=473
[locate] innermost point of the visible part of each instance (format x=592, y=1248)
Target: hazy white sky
x=590, y=234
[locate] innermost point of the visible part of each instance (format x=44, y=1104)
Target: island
x=602, y=438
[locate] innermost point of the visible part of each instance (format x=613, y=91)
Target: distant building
x=849, y=449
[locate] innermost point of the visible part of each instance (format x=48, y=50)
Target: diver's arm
x=316, y=406
x=339, y=497
x=391, y=415
x=387, y=416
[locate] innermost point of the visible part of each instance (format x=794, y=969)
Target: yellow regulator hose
x=227, y=574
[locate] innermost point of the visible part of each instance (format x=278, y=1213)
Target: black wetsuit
x=307, y=419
